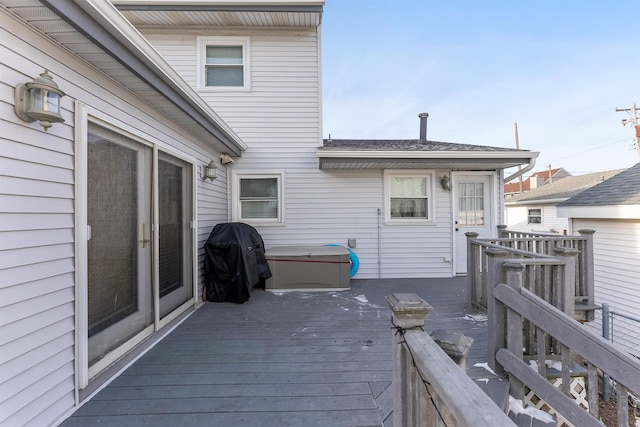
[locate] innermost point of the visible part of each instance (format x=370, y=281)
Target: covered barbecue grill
x=234, y=262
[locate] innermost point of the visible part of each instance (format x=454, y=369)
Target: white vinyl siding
x=616, y=268
x=280, y=120
x=517, y=219
x=37, y=294
x=617, y=273
x=38, y=281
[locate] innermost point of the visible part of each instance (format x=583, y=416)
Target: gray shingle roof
x=563, y=188
x=622, y=189
x=403, y=145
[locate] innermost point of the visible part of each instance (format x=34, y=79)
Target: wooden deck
x=280, y=359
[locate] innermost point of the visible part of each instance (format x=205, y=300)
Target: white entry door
x=472, y=212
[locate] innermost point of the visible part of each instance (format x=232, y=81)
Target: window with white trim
x=223, y=62
x=534, y=216
x=258, y=198
x=408, y=197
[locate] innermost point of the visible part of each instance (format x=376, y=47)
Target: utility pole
x=634, y=121
x=517, y=148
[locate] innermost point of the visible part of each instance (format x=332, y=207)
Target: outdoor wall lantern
x=209, y=171
x=446, y=183
x=39, y=100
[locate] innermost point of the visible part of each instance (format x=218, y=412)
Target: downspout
x=532, y=163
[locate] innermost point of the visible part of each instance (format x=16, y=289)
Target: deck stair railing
x=536, y=246
x=555, y=336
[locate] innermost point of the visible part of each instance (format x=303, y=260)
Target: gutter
x=537, y=202
x=423, y=154
x=105, y=26
x=531, y=165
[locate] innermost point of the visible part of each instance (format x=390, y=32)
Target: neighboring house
x=535, y=210
x=536, y=180
x=612, y=209
x=104, y=217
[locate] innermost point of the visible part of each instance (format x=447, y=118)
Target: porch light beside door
x=39, y=100
x=209, y=171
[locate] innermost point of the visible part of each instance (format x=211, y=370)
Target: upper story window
x=534, y=216
x=257, y=198
x=223, y=62
x=409, y=197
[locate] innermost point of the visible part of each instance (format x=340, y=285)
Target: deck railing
x=429, y=388
x=536, y=246
x=556, y=337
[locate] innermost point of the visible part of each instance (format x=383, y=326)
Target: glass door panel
x=119, y=253
x=175, y=247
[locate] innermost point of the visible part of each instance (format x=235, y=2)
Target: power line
x=634, y=121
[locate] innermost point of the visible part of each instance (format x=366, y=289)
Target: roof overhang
x=96, y=32
x=600, y=212
x=222, y=13
x=453, y=160
x=535, y=202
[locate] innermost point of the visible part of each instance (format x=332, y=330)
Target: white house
x=612, y=209
x=297, y=189
x=536, y=210
x=103, y=216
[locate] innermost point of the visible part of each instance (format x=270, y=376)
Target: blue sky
x=557, y=68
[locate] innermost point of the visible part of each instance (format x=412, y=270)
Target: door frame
x=493, y=208
x=85, y=115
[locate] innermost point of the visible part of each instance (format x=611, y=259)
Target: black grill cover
x=234, y=262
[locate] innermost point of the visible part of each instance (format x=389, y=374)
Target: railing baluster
x=566, y=369
x=622, y=398
x=592, y=389
x=514, y=345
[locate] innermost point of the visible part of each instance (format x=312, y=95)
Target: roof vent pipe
x=423, y=126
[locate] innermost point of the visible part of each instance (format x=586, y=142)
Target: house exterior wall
x=517, y=219
x=279, y=119
x=616, y=271
x=38, y=280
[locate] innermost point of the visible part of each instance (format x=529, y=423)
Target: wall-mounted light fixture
x=39, y=100
x=209, y=171
x=446, y=183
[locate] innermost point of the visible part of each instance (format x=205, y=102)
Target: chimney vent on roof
x=423, y=126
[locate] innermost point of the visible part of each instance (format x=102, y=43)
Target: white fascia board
x=603, y=212
x=121, y=28
x=221, y=2
x=536, y=202
x=415, y=154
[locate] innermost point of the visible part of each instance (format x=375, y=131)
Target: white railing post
x=408, y=312
x=502, y=231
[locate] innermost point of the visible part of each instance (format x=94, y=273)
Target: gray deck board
x=280, y=359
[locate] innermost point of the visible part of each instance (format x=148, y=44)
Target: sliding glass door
x=175, y=243
x=119, y=253
x=140, y=241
